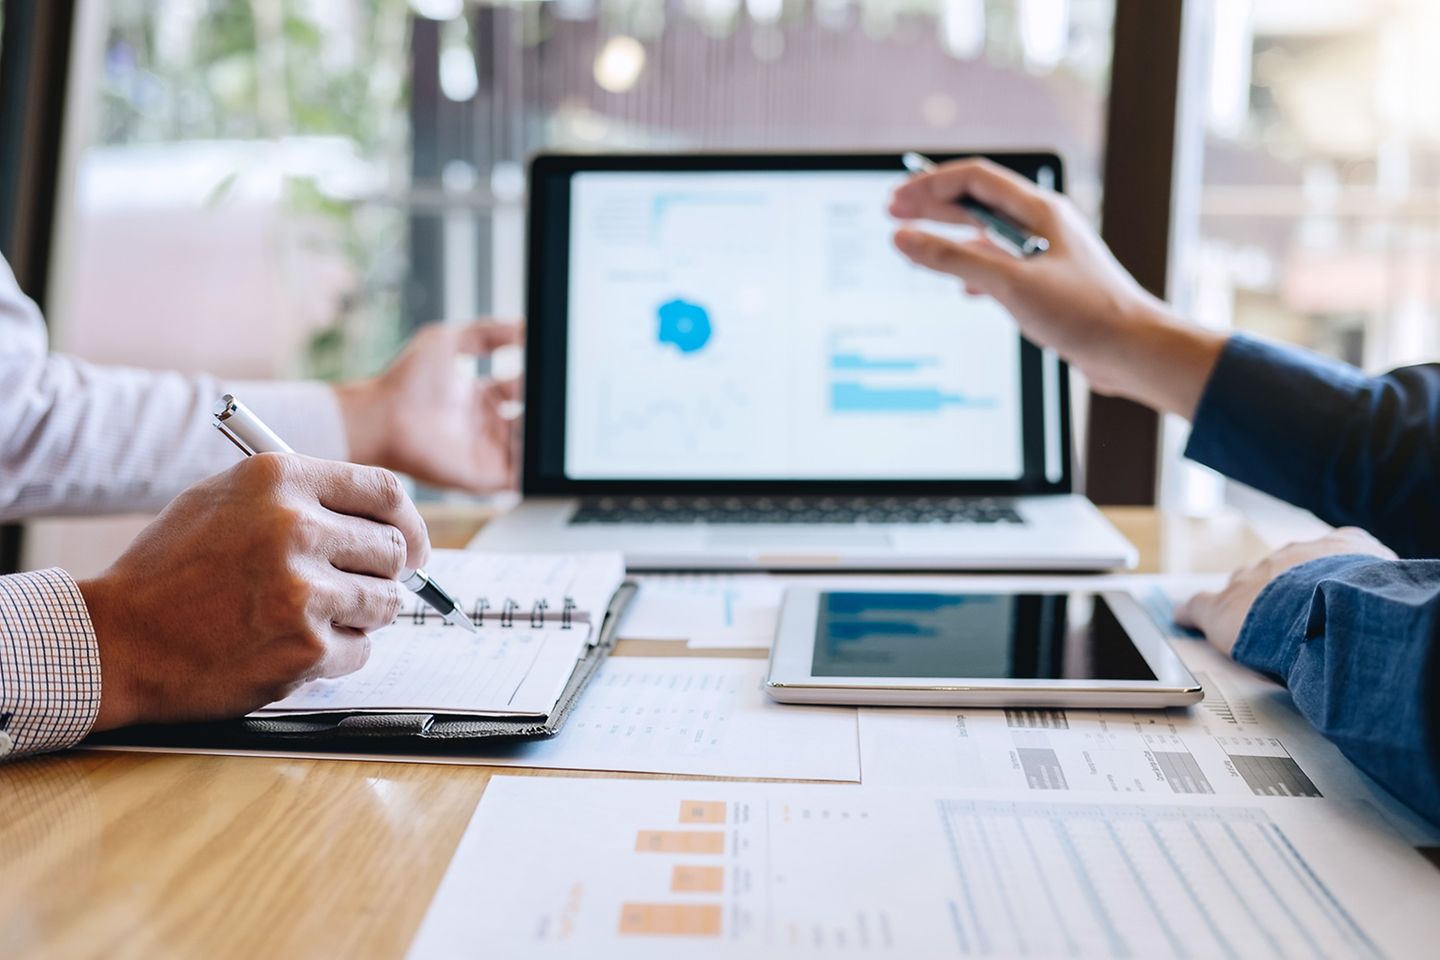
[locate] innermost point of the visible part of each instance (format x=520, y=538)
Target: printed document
x=696, y=716
x=636, y=869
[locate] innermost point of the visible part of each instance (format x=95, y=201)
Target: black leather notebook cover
x=421, y=734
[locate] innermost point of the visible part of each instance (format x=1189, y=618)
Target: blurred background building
x=325, y=174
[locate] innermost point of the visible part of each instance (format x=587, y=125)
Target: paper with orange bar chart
x=648, y=869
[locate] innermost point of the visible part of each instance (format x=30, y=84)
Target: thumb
x=481, y=337
x=982, y=265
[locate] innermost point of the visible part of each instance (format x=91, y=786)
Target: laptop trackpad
x=739, y=536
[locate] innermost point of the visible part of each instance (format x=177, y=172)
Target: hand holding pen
x=1075, y=298
x=1001, y=229
x=251, y=582
x=252, y=436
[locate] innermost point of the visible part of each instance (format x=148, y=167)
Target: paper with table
x=1245, y=739
x=537, y=614
x=553, y=867
x=687, y=715
x=1220, y=746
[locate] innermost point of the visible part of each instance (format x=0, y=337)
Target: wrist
x=123, y=699
x=1155, y=358
x=365, y=414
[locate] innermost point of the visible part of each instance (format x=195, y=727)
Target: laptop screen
x=758, y=325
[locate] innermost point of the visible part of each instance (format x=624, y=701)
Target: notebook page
x=436, y=668
x=525, y=587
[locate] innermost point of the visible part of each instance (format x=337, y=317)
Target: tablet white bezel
x=791, y=679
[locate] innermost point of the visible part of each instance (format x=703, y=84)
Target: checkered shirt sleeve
x=49, y=664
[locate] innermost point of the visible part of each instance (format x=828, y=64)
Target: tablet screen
x=1022, y=636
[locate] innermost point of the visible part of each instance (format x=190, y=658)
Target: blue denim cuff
x=1286, y=614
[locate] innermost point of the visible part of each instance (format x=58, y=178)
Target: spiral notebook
x=538, y=614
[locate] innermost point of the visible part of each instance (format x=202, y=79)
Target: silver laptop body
x=729, y=368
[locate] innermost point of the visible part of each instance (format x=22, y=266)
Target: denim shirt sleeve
x=1356, y=450
x=1354, y=638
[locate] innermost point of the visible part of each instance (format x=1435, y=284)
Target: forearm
x=1152, y=358
x=83, y=439
x=1354, y=639
x=1357, y=450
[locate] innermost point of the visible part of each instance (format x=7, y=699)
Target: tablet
x=994, y=649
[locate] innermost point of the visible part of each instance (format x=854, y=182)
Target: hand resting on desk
x=248, y=584
x=1221, y=614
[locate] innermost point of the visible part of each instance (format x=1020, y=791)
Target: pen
x=1016, y=239
x=248, y=432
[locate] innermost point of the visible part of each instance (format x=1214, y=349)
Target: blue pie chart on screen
x=684, y=325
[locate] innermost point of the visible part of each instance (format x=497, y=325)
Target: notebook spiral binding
x=507, y=616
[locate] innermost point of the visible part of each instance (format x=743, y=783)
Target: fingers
x=984, y=267
x=1194, y=611
x=932, y=196
x=498, y=393
x=486, y=336
x=372, y=493
x=365, y=547
x=346, y=651
x=358, y=602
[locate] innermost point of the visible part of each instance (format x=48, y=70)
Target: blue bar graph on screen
x=857, y=361
x=854, y=397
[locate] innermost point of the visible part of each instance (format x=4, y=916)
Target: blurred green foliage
x=185, y=70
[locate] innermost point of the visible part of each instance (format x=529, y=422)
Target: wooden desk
x=144, y=855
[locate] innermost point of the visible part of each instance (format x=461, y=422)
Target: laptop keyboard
x=887, y=510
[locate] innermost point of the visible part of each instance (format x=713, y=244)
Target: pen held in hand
x=1011, y=236
x=243, y=428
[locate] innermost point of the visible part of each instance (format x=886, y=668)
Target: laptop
x=729, y=367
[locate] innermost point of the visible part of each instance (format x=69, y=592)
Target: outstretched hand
x=431, y=418
x=1076, y=298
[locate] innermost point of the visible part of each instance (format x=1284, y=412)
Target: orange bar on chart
x=685, y=879
x=670, y=920
x=680, y=841
x=702, y=811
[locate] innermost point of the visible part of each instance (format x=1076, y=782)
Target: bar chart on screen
x=655, y=869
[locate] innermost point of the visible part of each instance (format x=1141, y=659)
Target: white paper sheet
x=705, y=610
x=443, y=669
x=690, y=715
x=635, y=869
x=1245, y=739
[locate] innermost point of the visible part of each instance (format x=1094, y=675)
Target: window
x=495, y=83
x=1319, y=212
x=326, y=174
x=1320, y=217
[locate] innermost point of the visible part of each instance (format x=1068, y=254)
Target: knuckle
x=398, y=551
x=305, y=529
x=389, y=494
x=290, y=600
x=270, y=469
x=392, y=601
x=376, y=604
